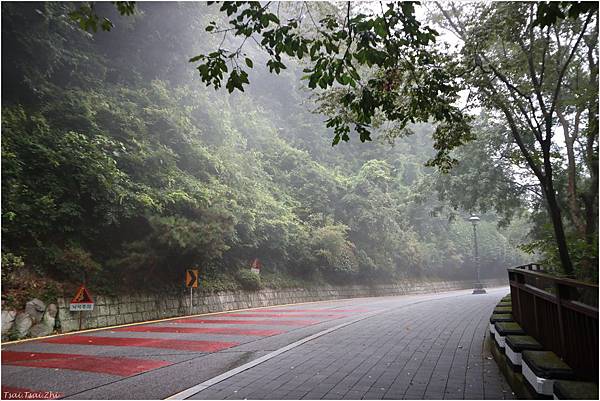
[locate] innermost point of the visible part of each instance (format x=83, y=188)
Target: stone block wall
x=110, y=311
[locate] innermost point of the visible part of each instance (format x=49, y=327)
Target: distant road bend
x=404, y=347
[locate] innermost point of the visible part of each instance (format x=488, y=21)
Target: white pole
x=191, y=298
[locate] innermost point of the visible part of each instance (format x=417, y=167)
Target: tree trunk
x=555, y=213
x=591, y=152
x=574, y=210
x=546, y=181
x=559, y=232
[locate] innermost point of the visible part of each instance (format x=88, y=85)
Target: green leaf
x=380, y=28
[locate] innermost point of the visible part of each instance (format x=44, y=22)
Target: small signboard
x=82, y=301
x=255, y=266
x=192, y=278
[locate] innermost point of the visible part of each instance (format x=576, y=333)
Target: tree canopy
x=118, y=164
x=540, y=80
x=382, y=64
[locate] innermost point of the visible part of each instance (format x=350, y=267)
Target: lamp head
x=474, y=219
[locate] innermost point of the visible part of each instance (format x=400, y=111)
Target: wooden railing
x=562, y=314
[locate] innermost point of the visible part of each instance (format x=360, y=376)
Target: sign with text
x=255, y=266
x=82, y=301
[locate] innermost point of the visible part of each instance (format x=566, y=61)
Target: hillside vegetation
x=121, y=168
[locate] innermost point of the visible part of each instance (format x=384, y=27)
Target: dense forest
x=121, y=168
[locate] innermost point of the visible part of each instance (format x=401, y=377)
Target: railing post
x=521, y=288
x=519, y=279
x=535, y=315
x=561, y=325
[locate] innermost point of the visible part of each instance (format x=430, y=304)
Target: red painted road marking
x=14, y=389
x=200, y=330
x=283, y=315
x=20, y=393
x=189, y=345
x=310, y=310
x=257, y=322
x=113, y=366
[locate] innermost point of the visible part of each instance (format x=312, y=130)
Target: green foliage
x=408, y=85
x=219, y=282
x=11, y=261
x=56, y=183
x=333, y=252
x=249, y=280
x=50, y=293
x=124, y=172
x=583, y=253
x=88, y=20
x=10, y=264
x=548, y=13
x=532, y=66
x=483, y=180
x=284, y=280
x=72, y=261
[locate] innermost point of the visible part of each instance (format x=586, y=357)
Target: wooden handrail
x=561, y=280
x=561, y=313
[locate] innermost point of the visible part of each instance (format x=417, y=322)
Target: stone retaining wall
x=110, y=311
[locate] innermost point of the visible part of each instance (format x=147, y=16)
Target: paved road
x=407, y=347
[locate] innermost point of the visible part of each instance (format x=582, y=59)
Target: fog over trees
x=122, y=164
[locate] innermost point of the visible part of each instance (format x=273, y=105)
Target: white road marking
x=182, y=395
x=204, y=385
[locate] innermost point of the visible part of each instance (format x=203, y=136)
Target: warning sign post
x=81, y=302
x=192, y=280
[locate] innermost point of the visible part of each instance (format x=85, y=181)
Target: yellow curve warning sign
x=192, y=278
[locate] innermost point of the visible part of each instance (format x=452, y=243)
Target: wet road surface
x=428, y=346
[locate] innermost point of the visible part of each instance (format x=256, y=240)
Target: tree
x=486, y=178
x=386, y=62
x=531, y=77
x=385, y=65
x=114, y=164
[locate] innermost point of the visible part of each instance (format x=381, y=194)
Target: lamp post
x=478, y=287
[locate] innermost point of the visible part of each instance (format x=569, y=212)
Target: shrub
x=10, y=264
x=248, y=280
x=74, y=261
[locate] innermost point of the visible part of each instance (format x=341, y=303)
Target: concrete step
x=503, y=309
x=574, y=390
x=499, y=317
x=503, y=329
x=515, y=345
x=508, y=328
x=542, y=368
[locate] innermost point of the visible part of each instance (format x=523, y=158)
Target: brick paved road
x=433, y=349
x=408, y=347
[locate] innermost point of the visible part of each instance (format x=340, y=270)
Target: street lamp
x=478, y=287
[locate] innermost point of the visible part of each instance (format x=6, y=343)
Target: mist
x=121, y=166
